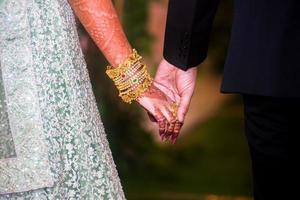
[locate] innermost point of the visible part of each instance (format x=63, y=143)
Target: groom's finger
x=183, y=107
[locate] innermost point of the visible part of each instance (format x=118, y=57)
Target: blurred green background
x=210, y=160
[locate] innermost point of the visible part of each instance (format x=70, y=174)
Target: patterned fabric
x=7, y=148
x=48, y=111
x=24, y=164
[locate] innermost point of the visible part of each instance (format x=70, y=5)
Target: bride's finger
x=177, y=129
x=165, y=135
x=168, y=137
x=161, y=128
x=170, y=132
x=159, y=117
x=171, y=128
x=151, y=117
x=174, y=138
x=169, y=116
x=173, y=109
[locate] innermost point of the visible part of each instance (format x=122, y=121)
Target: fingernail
x=166, y=138
x=175, y=140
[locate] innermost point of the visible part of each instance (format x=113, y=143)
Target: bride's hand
x=160, y=104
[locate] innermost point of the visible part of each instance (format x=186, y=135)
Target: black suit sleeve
x=187, y=33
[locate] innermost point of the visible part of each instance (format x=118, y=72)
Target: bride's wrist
x=131, y=77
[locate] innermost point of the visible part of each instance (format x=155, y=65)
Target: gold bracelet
x=134, y=71
x=130, y=77
x=129, y=96
x=130, y=72
x=120, y=70
x=134, y=79
x=136, y=86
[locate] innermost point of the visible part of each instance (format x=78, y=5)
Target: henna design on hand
x=154, y=93
x=101, y=21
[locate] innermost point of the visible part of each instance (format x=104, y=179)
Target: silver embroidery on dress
x=7, y=147
x=80, y=159
x=30, y=168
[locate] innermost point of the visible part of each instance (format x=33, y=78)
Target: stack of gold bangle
x=130, y=77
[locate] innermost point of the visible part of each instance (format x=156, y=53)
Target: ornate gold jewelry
x=174, y=109
x=130, y=77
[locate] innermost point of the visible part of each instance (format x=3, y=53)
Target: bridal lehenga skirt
x=52, y=141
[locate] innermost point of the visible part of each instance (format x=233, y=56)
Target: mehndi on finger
x=171, y=127
x=166, y=130
x=177, y=129
x=161, y=128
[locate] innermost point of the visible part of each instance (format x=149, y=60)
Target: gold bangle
x=130, y=77
x=115, y=72
x=139, y=87
x=135, y=79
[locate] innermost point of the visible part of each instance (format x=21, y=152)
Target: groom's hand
x=179, y=82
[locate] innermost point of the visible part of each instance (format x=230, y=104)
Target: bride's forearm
x=101, y=21
x=131, y=77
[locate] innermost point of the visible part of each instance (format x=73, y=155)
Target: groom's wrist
x=183, y=64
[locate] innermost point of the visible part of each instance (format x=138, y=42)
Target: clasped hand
x=168, y=99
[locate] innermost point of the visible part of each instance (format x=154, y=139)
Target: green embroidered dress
x=52, y=141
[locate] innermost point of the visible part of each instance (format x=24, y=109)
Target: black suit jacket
x=264, y=52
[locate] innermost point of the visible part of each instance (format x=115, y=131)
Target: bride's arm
x=101, y=22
